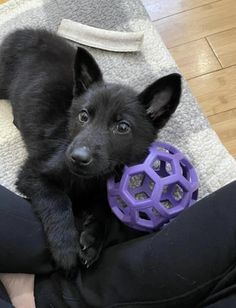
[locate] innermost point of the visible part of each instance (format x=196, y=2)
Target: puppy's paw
x=90, y=248
x=91, y=241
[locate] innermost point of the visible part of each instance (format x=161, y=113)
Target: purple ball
x=152, y=193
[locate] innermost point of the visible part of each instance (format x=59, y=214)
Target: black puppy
x=78, y=130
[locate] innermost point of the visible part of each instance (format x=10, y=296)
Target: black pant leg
x=176, y=267
x=225, y=302
x=224, y=293
x=4, y=304
x=22, y=243
x=4, y=298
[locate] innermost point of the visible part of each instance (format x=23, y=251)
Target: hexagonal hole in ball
x=166, y=204
x=156, y=165
x=178, y=192
x=140, y=186
x=162, y=168
x=136, y=180
x=168, y=168
x=141, y=196
x=143, y=215
x=121, y=204
x=185, y=170
x=151, y=184
x=165, y=189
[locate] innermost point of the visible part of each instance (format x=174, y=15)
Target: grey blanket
x=188, y=129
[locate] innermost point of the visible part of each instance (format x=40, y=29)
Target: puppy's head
x=110, y=124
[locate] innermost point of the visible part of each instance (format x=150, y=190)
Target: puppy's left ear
x=161, y=99
x=86, y=71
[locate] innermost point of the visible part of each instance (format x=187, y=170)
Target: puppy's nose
x=81, y=155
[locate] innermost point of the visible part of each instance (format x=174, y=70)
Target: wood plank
x=225, y=126
x=162, y=8
x=216, y=92
x=197, y=23
x=224, y=46
x=195, y=58
x=3, y=1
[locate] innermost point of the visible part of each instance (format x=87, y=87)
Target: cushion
x=188, y=129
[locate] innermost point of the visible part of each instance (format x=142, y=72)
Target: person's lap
x=176, y=267
x=190, y=262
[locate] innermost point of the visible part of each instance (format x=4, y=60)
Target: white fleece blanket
x=188, y=130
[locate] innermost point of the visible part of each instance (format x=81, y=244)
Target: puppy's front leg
x=55, y=211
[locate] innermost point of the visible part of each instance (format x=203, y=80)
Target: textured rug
x=188, y=129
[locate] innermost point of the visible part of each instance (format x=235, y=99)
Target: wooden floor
x=201, y=36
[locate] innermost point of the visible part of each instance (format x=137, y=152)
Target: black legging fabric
x=189, y=263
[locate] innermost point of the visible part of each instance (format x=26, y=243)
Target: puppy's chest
x=88, y=195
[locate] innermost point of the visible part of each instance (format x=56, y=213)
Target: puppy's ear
x=86, y=71
x=161, y=99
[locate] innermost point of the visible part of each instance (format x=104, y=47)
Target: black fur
x=78, y=130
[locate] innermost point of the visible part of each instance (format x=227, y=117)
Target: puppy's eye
x=83, y=116
x=123, y=127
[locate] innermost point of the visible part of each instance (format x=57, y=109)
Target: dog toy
x=100, y=38
x=151, y=194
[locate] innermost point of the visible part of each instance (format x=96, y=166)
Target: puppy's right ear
x=86, y=71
